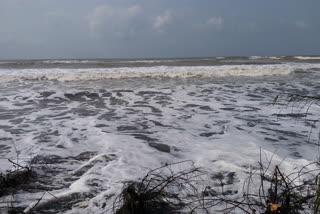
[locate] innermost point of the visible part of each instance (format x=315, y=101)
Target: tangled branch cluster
x=164, y=190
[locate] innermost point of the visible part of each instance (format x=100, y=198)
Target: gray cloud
x=215, y=21
x=162, y=20
x=107, y=20
x=300, y=24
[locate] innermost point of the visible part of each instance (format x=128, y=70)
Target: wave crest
x=157, y=71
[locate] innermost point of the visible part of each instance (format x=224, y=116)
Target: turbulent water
x=89, y=126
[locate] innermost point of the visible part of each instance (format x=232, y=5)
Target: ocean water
x=90, y=126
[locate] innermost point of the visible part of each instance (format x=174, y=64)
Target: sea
x=90, y=126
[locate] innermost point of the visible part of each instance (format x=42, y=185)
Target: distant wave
x=71, y=61
x=264, y=57
x=307, y=57
x=61, y=74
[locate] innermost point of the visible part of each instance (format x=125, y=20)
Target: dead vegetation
x=186, y=191
x=16, y=177
x=184, y=188
x=300, y=106
x=277, y=192
x=162, y=190
x=13, y=180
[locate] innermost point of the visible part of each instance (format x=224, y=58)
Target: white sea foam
x=264, y=57
x=158, y=71
x=307, y=57
x=71, y=61
x=256, y=57
x=274, y=57
x=150, y=61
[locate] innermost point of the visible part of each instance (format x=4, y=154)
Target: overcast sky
x=31, y=29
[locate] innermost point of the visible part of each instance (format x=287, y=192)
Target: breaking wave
x=307, y=57
x=62, y=74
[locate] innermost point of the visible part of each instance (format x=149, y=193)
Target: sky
x=44, y=29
